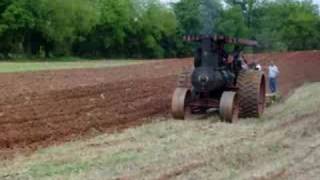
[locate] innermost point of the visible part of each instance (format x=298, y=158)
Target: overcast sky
x=316, y=1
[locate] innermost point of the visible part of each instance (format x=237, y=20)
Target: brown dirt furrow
x=20, y=84
x=63, y=115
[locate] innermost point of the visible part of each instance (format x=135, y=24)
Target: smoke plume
x=209, y=11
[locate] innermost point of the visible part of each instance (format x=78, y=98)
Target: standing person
x=243, y=61
x=273, y=76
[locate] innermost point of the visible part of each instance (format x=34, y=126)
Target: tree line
x=149, y=28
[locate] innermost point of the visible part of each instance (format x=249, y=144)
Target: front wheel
x=229, y=107
x=180, y=100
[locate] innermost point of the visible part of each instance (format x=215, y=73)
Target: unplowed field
x=43, y=108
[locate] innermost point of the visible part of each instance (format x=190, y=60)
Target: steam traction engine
x=216, y=84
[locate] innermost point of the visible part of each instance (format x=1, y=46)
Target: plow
x=218, y=83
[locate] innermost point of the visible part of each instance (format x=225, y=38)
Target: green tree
x=147, y=28
x=188, y=15
x=132, y=28
x=197, y=16
x=248, y=8
x=45, y=24
x=233, y=23
x=288, y=25
x=300, y=30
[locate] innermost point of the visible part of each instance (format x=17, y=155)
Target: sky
x=167, y=0
x=315, y=1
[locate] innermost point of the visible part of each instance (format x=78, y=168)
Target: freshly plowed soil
x=38, y=109
x=42, y=108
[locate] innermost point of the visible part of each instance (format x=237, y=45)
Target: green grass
x=25, y=66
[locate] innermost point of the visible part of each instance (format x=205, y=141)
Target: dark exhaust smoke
x=209, y=11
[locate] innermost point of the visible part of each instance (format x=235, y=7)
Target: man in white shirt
x=273, y=76
x=243, y=62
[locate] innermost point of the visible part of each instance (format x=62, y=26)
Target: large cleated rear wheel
x=181, y=98
x=229, y=107
x=252, y=93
